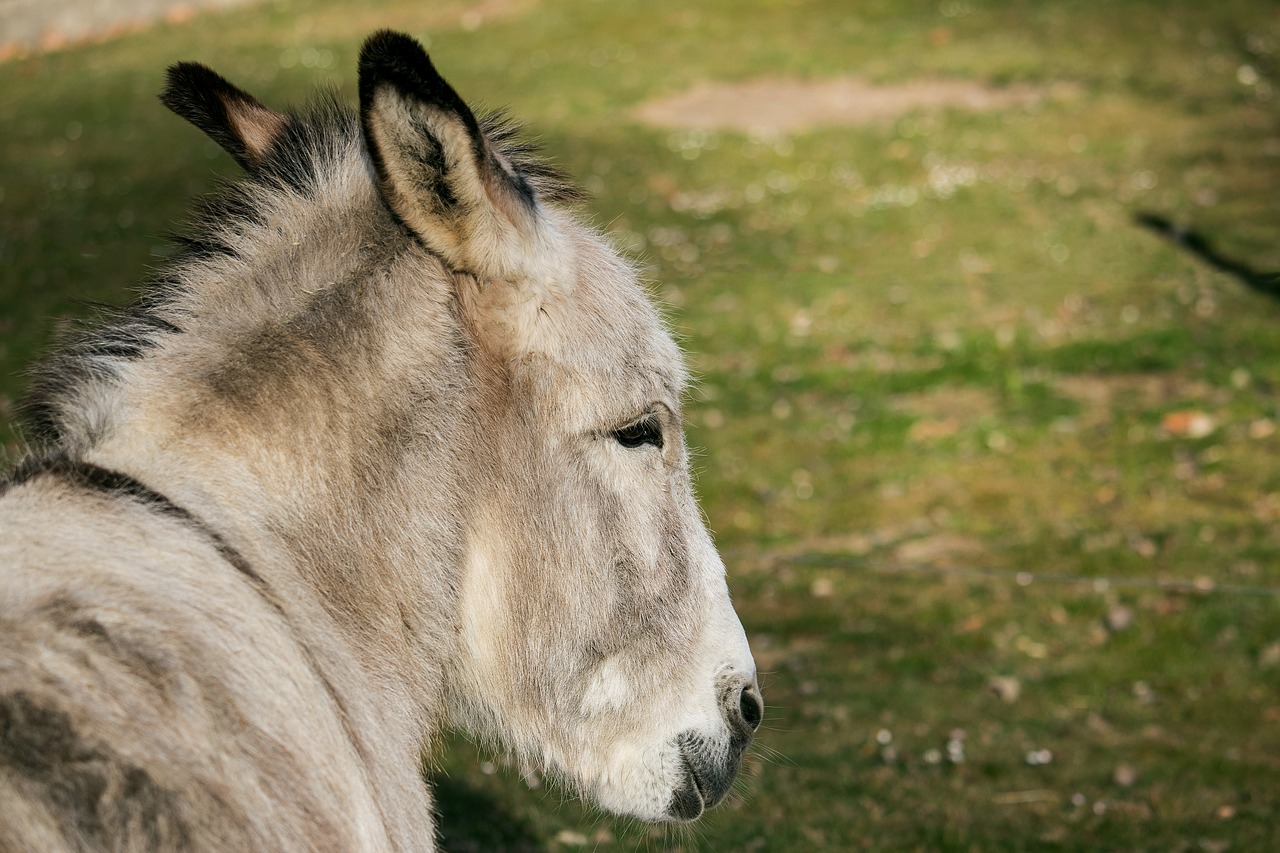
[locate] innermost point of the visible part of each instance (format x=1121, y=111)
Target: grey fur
x=349, y=474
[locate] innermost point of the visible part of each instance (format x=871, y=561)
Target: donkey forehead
x=586, y=327
x=615, y=336
x=589, y=387
x=596, y=311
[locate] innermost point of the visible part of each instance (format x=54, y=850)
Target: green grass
x=938, y=360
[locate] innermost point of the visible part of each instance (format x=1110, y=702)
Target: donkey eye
x=647, y=430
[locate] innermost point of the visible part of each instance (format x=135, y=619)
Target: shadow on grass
x=471, y=820
x=1266, y=283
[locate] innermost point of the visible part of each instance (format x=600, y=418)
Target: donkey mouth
x=687, y=801
x=707, y=778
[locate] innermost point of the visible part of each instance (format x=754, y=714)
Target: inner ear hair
x=241, y=124
x=425, y=142
x=437, y=171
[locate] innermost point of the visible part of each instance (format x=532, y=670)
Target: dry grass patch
x=1144, y=390
x=943, y=411
x=1100, y=396
x=941, y=551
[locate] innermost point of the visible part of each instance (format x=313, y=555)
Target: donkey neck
x=317, y=431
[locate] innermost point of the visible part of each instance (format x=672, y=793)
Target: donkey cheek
x=609, y=690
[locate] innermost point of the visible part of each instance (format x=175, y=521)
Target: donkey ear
x=237, y=121
x=436, y=169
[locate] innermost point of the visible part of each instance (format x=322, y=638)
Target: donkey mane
x=88, y=359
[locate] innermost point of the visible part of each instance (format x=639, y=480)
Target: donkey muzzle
x=711, y=766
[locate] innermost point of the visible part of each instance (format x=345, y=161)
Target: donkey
x=393, y=444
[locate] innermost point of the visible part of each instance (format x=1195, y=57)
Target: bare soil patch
x=790, y=106
x=34, y=26
x=38, y=25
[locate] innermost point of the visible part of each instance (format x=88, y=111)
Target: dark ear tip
x=188, y=84
x=182, y=78
x=393, y=58
x=391, y=40
x=391, y=50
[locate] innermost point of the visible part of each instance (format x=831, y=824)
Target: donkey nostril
x=751, y=708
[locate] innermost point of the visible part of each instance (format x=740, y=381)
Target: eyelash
x=647, y=430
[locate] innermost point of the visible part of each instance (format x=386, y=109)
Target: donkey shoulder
x=156, y=698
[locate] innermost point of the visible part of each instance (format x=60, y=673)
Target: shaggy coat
x=394, y=443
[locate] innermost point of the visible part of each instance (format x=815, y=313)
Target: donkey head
x=594, y=633
x=596, y=636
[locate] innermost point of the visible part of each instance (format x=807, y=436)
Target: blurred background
x=982, y=299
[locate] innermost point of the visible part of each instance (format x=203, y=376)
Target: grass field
x=995, y=468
